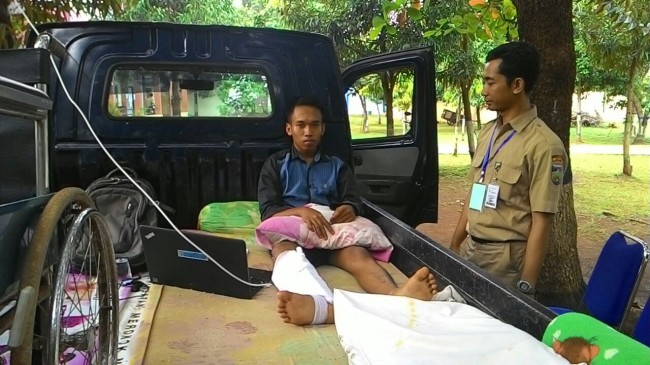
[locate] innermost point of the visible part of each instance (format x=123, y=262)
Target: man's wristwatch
x=525, y=287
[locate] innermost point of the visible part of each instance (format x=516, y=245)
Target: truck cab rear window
x=149, y=92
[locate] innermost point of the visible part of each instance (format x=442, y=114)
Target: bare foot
x=299, y=309
x=422, y=285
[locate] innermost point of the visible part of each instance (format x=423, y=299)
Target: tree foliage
x=182, y=11
x=239, y=95
x=618, y=41
x=591, y=73
x=348, y=23
x=242, y=95
x=263, y=13
x=614, y=38
x=462, y=33
x=12, y=28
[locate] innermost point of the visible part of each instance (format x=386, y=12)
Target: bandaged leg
x=294, y=273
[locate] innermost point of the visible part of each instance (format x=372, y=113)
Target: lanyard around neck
x=486, y=159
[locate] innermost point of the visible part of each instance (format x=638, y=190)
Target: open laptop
x=173, y=261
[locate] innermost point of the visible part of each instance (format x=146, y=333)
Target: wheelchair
x=58, y=277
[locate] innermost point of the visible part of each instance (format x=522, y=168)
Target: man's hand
x=316, y=222
x=462, y=228
x=343, y=214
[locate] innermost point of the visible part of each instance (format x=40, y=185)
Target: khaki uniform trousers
x=504, y=260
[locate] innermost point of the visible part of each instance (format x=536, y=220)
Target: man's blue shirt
x=314, y=183
x=287, y=181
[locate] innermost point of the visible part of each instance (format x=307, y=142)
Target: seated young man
x=291, y=179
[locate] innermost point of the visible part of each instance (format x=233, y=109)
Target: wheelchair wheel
x=84, y=317
x=70, y=249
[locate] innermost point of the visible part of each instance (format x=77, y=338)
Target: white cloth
x=294, y=273
x=384, y=329
x=449, y=294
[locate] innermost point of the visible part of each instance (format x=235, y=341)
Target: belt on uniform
x=482, y=241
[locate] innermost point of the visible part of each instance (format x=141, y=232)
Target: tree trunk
x=165, y=106
x=579, y=117
x=378, y=114
x=165, y=97
x=467, y=105
x=382, y=47
x=478, y=117
x=558, y=282
x=640, y=134
x=387, y=83
x=176, y=98
x=629, y=116
x=365, y=128
x=455, y=140
x=627, y=133
x=456, y=130
x=469, y=124
x=548, y=25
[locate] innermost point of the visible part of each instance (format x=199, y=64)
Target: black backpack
x=125, y=208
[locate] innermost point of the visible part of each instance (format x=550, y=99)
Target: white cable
x=92, y=131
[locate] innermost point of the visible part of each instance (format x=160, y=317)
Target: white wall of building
x=355, y=108
x=591, y=102
x=594, y=101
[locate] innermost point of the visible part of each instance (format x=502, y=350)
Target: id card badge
x=492, y=196
x=477, y=197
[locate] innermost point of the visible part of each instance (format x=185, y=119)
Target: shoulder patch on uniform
x=557, y=169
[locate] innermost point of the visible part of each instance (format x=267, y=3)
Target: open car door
x=391, y=105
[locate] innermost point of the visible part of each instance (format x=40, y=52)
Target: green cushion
x=615, y=347
x=228, y=216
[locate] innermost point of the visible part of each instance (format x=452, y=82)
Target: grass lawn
x=598, y=185
x=599, y=188
x=601, y=136
x=375, y=129
x=590, y=135
x=445, y=132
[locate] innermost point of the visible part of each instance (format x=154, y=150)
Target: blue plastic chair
x=615, y=279
x=642, y=329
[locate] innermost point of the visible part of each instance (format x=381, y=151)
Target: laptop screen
x=172, y=260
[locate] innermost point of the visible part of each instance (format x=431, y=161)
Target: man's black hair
x=305, y=101
x=518, y=60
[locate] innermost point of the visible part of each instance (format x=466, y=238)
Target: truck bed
x=190, y=327
x=185, y=326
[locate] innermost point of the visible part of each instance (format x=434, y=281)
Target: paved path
x=575, y=149
x=635, y=149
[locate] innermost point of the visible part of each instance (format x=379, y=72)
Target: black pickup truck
x=197, y=109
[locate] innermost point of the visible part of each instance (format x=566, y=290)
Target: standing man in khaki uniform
x=516, y=174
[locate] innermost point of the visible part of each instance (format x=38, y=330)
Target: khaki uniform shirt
x=529, y=170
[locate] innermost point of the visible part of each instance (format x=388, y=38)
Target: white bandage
x=449, y=294
x=294, y=273
x=320, y=309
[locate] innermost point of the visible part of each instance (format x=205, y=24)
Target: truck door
x=392, y=113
